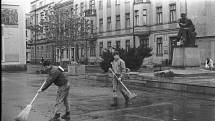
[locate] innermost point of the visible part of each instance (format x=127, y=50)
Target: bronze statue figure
x=186, y=34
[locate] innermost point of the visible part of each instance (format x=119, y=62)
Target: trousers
x=62, y=98
x=117, y=86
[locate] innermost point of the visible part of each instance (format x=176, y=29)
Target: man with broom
x=57, y=77
x=118, y=67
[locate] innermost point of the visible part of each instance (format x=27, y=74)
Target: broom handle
x=37, y=93
x=120, y=82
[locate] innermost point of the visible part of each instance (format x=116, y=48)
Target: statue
x=186, y=34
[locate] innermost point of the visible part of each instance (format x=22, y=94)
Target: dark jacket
x=57, y=77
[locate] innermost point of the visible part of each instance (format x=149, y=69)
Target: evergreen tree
x=133, y=57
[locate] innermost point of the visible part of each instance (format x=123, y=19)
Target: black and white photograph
x=108, y=60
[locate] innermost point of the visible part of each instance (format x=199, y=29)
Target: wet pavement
x=90, y=101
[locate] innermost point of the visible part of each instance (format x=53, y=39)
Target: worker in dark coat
x=57, y=77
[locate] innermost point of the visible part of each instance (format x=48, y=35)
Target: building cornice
x=41, y=7
x=34, y=1
x=9, y=5
x=64, y=4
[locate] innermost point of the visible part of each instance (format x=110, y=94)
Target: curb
x=150, y=82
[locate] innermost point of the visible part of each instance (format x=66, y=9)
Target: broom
x=131, y=95
x=23, y=115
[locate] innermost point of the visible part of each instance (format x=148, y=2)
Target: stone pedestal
x=186, y=57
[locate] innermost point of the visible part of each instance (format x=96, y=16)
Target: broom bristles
x=23, y=115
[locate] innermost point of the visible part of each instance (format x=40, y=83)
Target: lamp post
x=35, y=60
x=134, y=42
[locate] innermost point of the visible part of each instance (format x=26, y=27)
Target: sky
x=25, y=3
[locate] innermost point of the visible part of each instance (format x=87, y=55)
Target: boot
x=115, y=103
x=66, y=115
x=56, y=117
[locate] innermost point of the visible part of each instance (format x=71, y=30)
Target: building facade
x=130, y=23
x=13, y=36
x=40, y=46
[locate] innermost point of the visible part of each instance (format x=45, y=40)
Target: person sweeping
x=57, y=77
x=118, y=67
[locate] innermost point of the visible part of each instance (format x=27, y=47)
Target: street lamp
x=133, y=25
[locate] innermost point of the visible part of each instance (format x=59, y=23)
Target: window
x=117, y=22
x=92, y=4
x=82, y=7
x=36, y=19
x=58, y=53
x=127, y=45
x=108, y=23
x=91, y=28
x=172, y=12
x=62, y=53
x=76, y=9
x=140, y=1
x=127, y=20
x=117, y=2
x=144, y=17
x=93, y=49
x=82, y=50
x=108, y=3
x=100, y=4
x=41, y=3
x=67, y=53
x=136, y=21
x=109, y=45
x=100, y=48
x=159, y=47
x=144, y=42
x=26, y=33
x=117, y=44
x=159, y=15
x=72, y=11
x=100, y=25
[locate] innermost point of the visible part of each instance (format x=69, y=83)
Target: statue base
x=186, y=57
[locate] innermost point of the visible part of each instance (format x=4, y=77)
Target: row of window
x=41, y=3
x=91, y=7
x=109, y=45
x=127, y=21
x=117, y=2
x=144, y=42
x=159, y=18
x=172, y=14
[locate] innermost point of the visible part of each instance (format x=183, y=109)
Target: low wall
x=15, y=67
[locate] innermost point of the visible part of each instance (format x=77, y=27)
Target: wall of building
x=200, y=12
x=13, y=36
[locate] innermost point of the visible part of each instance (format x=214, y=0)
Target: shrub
x=133, y=57
x=107, y=57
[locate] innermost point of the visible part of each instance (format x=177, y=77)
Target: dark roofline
x=10, y=5
x=41, y=7
x=64, y=4
x=34, y=1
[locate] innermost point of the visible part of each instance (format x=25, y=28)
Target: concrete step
x=139, y=82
